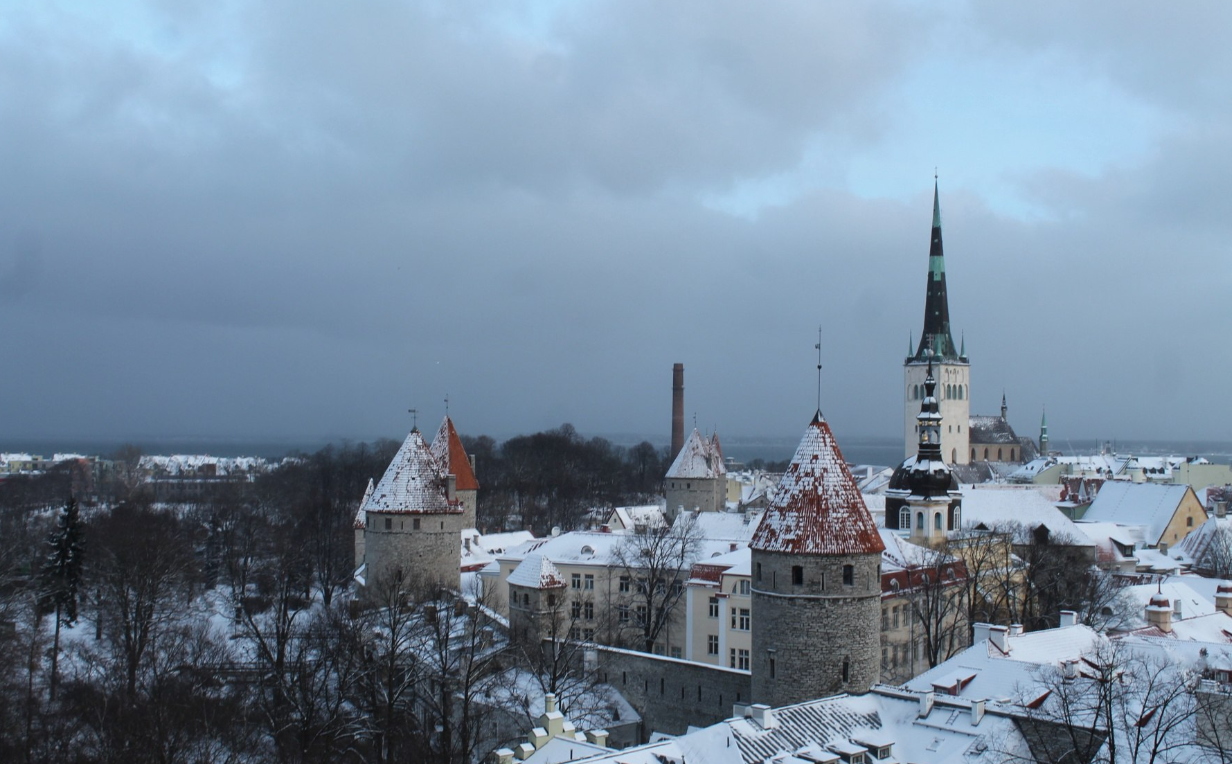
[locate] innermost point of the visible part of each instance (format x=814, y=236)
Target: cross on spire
x=818, y=347
x=446, y=404
x=415, y=419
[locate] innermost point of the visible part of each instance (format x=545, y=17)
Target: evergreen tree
x=62, y=575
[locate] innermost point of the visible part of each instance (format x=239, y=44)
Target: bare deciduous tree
x=656, y=563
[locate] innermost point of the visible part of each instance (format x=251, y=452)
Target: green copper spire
x=936, y=204
x=962, y=351
x=936, y=332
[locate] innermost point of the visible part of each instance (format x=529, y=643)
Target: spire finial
x=446, y=404
x=818, y=347
x=414, y=419
x=962, y=353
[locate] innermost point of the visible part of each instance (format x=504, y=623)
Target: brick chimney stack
x=677, y=409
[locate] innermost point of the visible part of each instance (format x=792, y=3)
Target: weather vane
x=446, y=404
x=818, y=347
x=415, y=418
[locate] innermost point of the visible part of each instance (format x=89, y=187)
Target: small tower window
x=846, y=670
x=904, y=518
x=849, y=575
x=998, y=454
x=389, y=523
x=973, y=454
x=953, y=455
x=415, y=524
x=937, y=520
x=797, y=571
x=986, y=454
x=919, y=520
x=759, y=571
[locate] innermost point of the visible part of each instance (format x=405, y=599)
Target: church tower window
x=904, y=518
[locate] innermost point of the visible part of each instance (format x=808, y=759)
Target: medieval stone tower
x=952, y=367
x=412, y=520
x=816, y=581
x=697, y=479
x=923, y=495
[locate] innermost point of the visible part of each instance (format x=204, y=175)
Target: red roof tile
x=818, y=508
x=449, y=453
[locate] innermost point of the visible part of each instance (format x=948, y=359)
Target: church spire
x=1043, y=439
x=936, y=304
x=929, y=419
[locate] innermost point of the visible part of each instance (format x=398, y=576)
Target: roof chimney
x=1223, y=597
x=999, y=636
x=977, y=712
x=451, y=488
x=1159, y=613
x=763, y=715
x=926, y=704
x=1068, y=618
x=979, y=633
x=677, y=409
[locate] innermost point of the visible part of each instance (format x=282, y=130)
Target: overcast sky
x=299, y=219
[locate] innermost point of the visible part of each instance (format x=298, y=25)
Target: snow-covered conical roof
x=818, y=508
x=414, y=483
x=699, y=457
x=536, y=572
x=361, y=516
x=451, y=456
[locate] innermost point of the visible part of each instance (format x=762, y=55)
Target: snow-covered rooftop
x=700, y=457
x=1150, y=505
x=451, y=456
x=536, y=572
x=995, y=507
x=818, y=508
x=413, y=483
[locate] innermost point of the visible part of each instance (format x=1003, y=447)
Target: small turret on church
x=816, y=560
x=923, y=495
x=453, y=460
x=952, y=366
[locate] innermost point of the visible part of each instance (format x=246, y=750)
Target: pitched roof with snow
x=451, y=456
x=536, y=572
x=699, y=458
x=991, y=429
x=1150, y=505
x=1009, y=505
x=818, y=508
x=412, y=484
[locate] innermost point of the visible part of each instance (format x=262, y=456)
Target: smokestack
x=677, y=409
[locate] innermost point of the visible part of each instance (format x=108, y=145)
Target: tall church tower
x=816, y=581
x=952, y=366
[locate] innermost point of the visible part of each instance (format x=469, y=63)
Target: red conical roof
x=818, y=508
x=449, y=453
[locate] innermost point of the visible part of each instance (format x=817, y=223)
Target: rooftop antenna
x=818, y=347
x=415, y=421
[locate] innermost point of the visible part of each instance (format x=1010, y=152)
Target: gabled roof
x=818, y=508
x=1150, y=505
x=536, y=572
x=412, y=484
x=997, y=507
x=991, y=430
x=699, y=458
x=449, y=453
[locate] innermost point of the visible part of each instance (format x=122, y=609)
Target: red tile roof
x=449, y=453
x=818, y=508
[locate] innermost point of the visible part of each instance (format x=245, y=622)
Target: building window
x=712, y=644
x=590, y=582
x=797, y=575
x=389, y=524
x=551, y=600
x=588, y=611
x=973, y=454
x=895, y=610
x=576, y=609
x=998, y=454
x=740, y=619
x=904, y=518
x=772, y=671
x=849, y=575
x=759, y=571
x=986, y=454
x=739, y=659
x=675, y=652
x=937, y=520
x=919, y=520
x=575, y=632
x=525, y=600
x=624, y=585
x=1189, y=522
x=714, y=607
x=622, y=613
x=885, y=619
x=744, y=583
x=415, y=524
x=588, y=635
x=846, y=671
x=641, y=615
x=576, y=581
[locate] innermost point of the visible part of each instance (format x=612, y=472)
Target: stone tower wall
x=467, y=499
x=431, y=553
x=812, y=627
x=955, y=411
x=705, y=494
